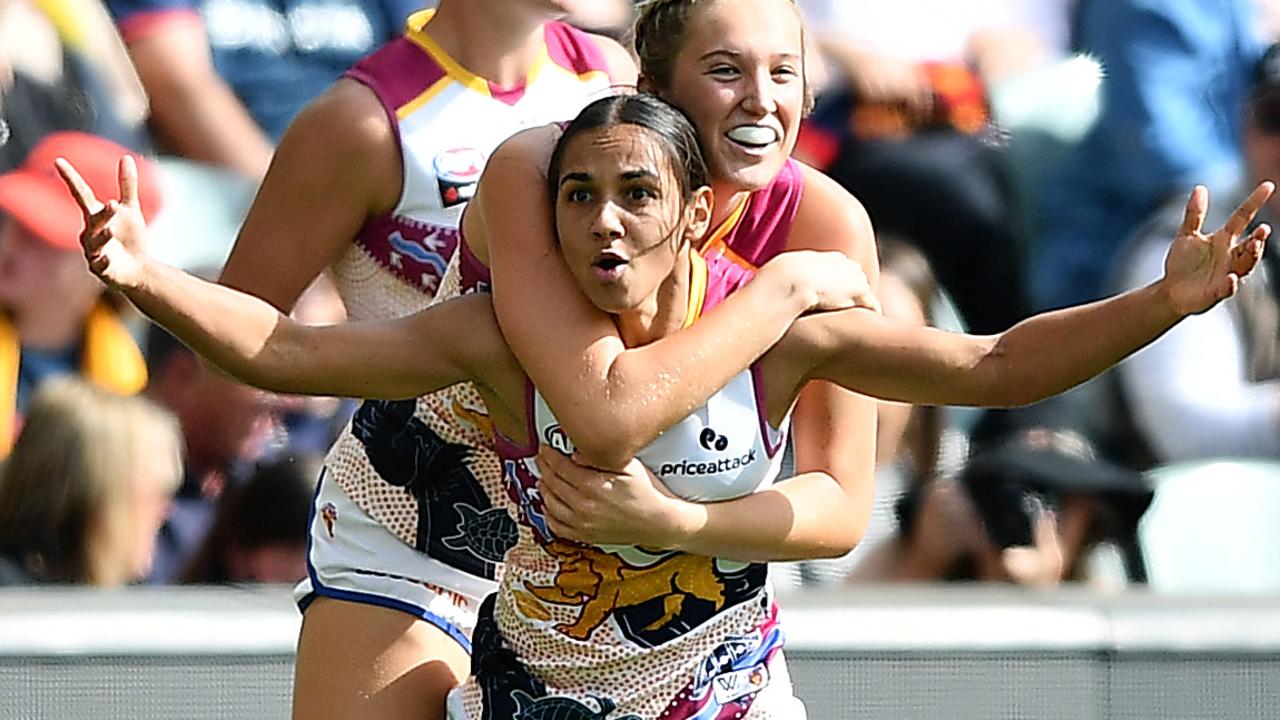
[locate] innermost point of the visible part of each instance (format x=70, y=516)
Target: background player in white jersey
x=370, y=180
x=629, y=205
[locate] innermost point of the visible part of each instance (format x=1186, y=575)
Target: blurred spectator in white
x=54, y=319
x=226, y=427
x=1217, y=373
x=260, y=532
x=899, y=126
x=227, y=76
x=87, y=487
x=63, y=67
x=1176, y=74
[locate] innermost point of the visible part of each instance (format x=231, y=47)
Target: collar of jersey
x=697, y=289
x=416, y=32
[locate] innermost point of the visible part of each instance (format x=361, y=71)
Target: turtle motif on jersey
x=562, y=708
x=487, y=533
x=408, y=453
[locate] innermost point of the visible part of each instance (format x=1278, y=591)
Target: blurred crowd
x=1014, y=156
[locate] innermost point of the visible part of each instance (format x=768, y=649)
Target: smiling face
x=739, y=75
x=619, y=215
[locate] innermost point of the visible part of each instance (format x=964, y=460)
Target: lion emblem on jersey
x=602, y=583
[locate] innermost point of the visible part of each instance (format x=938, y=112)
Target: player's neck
x=664, y=312
x=502, y=49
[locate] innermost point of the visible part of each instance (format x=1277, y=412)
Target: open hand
x=113, y=233
x=1204, y=269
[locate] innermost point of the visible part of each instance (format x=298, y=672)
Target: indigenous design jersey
x=643, y=632
x=426, y=469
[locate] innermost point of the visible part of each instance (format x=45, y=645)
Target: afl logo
x=457, y=172
x=555, y=436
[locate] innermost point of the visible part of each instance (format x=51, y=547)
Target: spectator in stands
x=54, y=319
x=86, y=488
x=226, y=426
x=260, y=531
x=227, y=76
x=1176, y=73
x=900, y=123
x=1030, y=511
x=1219, y=372
x=63, y=67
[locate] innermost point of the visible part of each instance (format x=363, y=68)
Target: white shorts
x=352, y=557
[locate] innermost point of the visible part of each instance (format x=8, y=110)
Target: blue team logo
x=458, y=172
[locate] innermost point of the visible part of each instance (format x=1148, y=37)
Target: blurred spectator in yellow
x=54, y=319
x=64, y=67
x=87, y=486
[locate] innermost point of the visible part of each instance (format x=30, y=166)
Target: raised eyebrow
x=640, y=175
x=734, y=55
x=714, y=53
x=574, y=177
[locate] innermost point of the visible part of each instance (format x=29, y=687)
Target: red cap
x=36, y=197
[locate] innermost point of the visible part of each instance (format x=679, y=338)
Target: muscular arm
x=610, y=400
x=823, y=510
x=337, y=165
x=1039, y=357
x=1048, y=353
x=393, y=359
x=193, y=111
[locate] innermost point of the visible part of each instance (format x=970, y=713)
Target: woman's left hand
x=1204, y=269
x=628, y=507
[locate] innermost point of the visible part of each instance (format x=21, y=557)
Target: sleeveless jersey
x=425, y=469
x=645, y=632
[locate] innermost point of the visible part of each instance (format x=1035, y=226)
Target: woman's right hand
x=114, y=232
x=830, y=280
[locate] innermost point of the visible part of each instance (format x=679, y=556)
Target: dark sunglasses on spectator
x=1266, y=115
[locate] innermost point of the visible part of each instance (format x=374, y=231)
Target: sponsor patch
x=457, y=173
x=740, y=683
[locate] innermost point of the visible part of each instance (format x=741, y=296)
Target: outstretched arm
x=612, y=400
x=1045, y=354
x=252, y=341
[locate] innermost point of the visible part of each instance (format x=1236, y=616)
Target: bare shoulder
x=622, y=65
x=348, y=113
x=831, y=218
x=527, y=150
x=511, y=181
x=825, y=202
